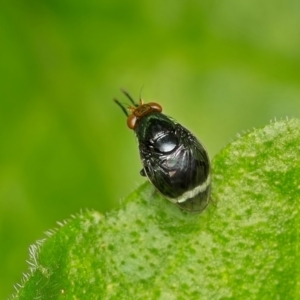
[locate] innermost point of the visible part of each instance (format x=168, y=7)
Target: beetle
x=173, y=159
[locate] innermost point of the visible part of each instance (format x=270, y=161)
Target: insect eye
x=131, y=121
x=155, y=106
x=166, y=143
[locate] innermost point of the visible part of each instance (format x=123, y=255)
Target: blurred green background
x=218, y=67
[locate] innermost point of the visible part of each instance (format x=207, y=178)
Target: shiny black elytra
x=173, y=159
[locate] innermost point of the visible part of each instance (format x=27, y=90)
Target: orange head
x=137, y=111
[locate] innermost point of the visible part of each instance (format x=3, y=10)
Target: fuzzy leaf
x=245, y=245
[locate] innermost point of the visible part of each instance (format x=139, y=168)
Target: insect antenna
x=141, y=93
x=122, y=106
x=129, y=97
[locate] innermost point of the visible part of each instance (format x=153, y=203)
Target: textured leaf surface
x=245, y=245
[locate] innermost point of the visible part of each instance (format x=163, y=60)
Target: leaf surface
x=245, y=245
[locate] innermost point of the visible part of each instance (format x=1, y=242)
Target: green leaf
x=245, y=245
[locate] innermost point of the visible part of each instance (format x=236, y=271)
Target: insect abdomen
x=174, y=161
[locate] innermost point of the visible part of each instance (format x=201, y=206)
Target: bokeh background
x=218, y=67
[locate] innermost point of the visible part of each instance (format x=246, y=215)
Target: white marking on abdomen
x=192, y=193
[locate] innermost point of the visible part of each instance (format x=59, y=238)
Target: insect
x=174, y=161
